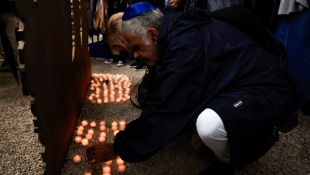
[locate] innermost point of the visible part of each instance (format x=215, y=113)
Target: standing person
x=239, y=94
x=115, y=40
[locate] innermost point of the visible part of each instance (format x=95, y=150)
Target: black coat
x=206, y=63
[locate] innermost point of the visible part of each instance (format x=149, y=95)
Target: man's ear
x=153, y=34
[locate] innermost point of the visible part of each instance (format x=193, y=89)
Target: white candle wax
x=92, y=88
x=93, y=124
x=119, y=161
x=84, y=142
x=121, y=168
x=101, y=139
x=105, y=101
x=90, y=98
x=102, y=128
x=89, y=136
x=102, y=123
x=77, y=159
x=92, y=94
x=84, y=123
x=108, y=162
x=91, y=131
x=79, y=132
x=106, y=169
x=97, y=96
x=114, y=123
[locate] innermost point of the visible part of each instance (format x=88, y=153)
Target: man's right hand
x=100, y=153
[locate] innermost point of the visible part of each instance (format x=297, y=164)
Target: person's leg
x=9, y=19
x=212, y=133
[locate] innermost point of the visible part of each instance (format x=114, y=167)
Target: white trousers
x=212, y=132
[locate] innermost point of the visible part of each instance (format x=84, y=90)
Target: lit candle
x=102, y=128
x=89, y=136
x=87, y=173
x=106, y=169
x=97, y=96
x=119, y=161
x=121, y=168
x=118, y=100
x=115, y=132
x=77, y=159
x=122, y=123
x=91, y=131
x=90, y=98
x=114, y=123
x=79, y=132
x=101, y=139
x=92, y=88
x=105, y=101
x=103, y=134
x=93, y=124
x=124, y=99
x=114, y=128
x=99, y=101
x=102, y=123
x=108, y=162
x=122, y=128
x=78, y=139
x=92, y=94
x=84, y=123
x=106, y=174
x=80, y=128
x=84, y=142
x=92, y=81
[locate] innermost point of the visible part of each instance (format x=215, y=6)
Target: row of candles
x=120, y=82
x=78, y=139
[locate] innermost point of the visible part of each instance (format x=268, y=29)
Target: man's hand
x=100, y=153
x=175, y=3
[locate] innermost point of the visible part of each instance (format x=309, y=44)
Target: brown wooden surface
x=58, y=84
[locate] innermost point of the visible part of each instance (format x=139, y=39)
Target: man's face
x=146, y=50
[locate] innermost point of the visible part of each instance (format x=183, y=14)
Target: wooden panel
x=57, y=83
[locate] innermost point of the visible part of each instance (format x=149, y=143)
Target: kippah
x=137, y=9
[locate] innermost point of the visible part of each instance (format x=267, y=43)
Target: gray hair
x=139, y=25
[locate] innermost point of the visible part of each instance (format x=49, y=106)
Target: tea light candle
x=97, y=96
x=92, y=81
x=99, y=101
x=77, y=159
x=93, y=124
x=91, y=131
x=106, y=174
x=105, y=101
x=80, y=128
x=115, y=132
x=84, y=142
x=118, y=100
x=92, y=88
x=114, y=128
x=108, y=162
x=102, y=128
x=90, y=98
x=106, y=169
x=114, y=123
x=101, y=139
x=103, y=134
x=92, y=94
x=87, y=173
x=122, y=123
x=84, y=123
x=102, y=123
x=89, y=136
x=119, y=161
x=78, y=139
x=79, y=132
x=122, y=128
x=121, y=168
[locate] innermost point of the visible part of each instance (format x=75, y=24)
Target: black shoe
x=135, y=64
x=140, y=66
x=217, y=168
